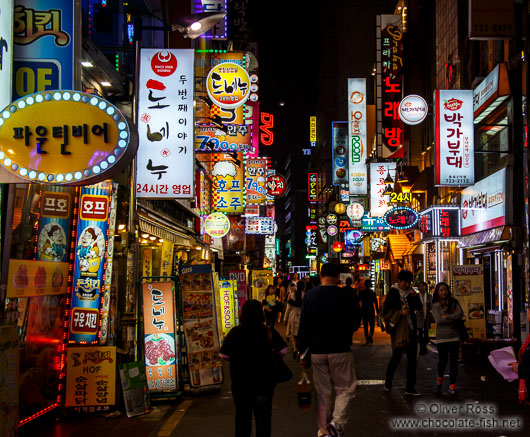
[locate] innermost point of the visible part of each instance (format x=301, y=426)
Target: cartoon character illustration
x=88, y=247
x=90, y=250
x=55, y=245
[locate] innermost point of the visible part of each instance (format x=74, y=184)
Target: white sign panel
x=454, y=138
x=413, y=109
x=483, y=205
x=259, y=225
x=357, y=136
x=486, y=90
x=380, y=204
x=6, y=51
x=165, y=160
x=355, y=210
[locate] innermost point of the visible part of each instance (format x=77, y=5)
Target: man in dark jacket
x=330, y=316
x=369, y=307
x=403, y=299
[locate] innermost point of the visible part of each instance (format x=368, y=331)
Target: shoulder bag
x=460, y=326
x=281, y=373
x=401, y=335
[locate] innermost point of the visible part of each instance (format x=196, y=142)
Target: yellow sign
x=228, y=85
x=90, y=376
x=312, y=129
x=166, y=259
x=261, y=279
x=226, y=295
x=63, y=137
x=36, y=278
x=216, y=225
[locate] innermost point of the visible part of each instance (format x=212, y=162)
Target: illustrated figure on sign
x=90, y=249
x=223, y=172
x=55, y=245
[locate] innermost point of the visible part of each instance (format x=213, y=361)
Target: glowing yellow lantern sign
x=228, y=85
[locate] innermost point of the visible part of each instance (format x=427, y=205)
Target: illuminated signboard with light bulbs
x=401, y=217
x=64, y=138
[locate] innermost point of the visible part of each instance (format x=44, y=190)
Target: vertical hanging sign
x=340, y=153
x=454, y=130
x=165, y=159
x=379, y=202
x=357, y=136
x=89, y=267
x=6, y=51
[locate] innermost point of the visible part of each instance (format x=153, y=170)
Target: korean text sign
x=357, y=136
x=256, y=180
x=45, y=40
x=165, y=162
x=90, y=376
x=6, y=51
x=379, y=203
x=340, y=152
x=455, y=160
x=228, y=309
x=90, y=258
x=159, y=336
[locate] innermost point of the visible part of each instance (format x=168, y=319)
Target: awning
x=161, y=231
x=414, y=249
x=495, y=235
x=398, y=244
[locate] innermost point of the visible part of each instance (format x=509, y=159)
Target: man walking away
x=369, y=307
x=401, y=299
x=329, y=318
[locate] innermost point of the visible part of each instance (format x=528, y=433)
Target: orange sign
x=36, y=278
x=159, y=336
x=63, y=137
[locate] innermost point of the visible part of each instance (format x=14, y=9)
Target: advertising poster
x=454, y=132
x=165, y=126
x=9, y=369
x=390, y=127
x=166, y=261
x=90, y=260
x=468, y=283
x=240, y=276
x=159, y=336
x=357, y=136
x=231, y=138
x=41, y=353
x=6, y=51
x=200, y=326
x=36, y=278
x=260, y=280
x=227, y=290
x=45, y=38
x=235, y=239
x=134, y=387
x=340, y=152
x=228, y=190
x=91, y=376
x=255, y=180
x=379, y=203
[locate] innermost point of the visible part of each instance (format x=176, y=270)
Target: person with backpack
x=399, y=312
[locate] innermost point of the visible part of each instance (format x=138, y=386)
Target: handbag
x=460, y=327
x=401, y=335
x=304, y=392
x=281, y=373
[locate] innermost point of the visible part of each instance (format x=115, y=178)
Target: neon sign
x=401, y=217
x=267, y=123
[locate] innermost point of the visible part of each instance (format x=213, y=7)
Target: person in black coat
x=369, y=307
x=402, y=298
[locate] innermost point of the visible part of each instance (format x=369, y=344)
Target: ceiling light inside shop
x=121, y=227
x=87, y=64
x=160, y=240
x=145, y=235
x=152, y=238
x=104, y=83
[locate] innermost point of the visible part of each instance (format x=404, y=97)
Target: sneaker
x=452, y=389
x=371, y=340
x=335, y=429
x=439, y=383
x=412, y=392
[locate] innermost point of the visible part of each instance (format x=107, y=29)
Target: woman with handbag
x=447, y=313
x=522, y=367
x=293, y=320
x=253, y=350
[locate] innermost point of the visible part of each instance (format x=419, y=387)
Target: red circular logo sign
x=337, y=246
x=164, y=63
x=276, y=185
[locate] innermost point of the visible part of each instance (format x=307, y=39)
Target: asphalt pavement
x=485, y=405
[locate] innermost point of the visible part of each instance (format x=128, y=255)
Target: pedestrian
x=424, y=317
x=522, y=367
x=293, y=321
x=401, y=301
x=446, y=310
x=249, y=347
x=328, y=320
x=369, y=308
x=270, y=306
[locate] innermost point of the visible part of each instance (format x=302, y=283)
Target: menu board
x=200, y=326
x=468, y=284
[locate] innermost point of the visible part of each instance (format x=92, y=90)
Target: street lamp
x=195, y=25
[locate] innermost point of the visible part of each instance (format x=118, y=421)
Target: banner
x=228, y=190
x=340, y=153
x=260, y=280
x=90, y=376
x=255, y=180
x=89, y=265
x=468, y=286
x=159, y=336
x=6, y=51
x=227, y=289
x=454, y=131
x=45, y=37
x=357, y=136
x=36, y=278
x=166, y=259
x=379, y=203
x=165, y=159
x=147, y=261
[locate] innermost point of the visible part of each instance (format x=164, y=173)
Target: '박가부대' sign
x=455, y=165
x=64, y=138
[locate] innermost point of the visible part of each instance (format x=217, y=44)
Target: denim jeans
x=260, y=405
x=410, y=350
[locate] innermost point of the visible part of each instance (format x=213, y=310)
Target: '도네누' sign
x=64, y=138
x=228, y=85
